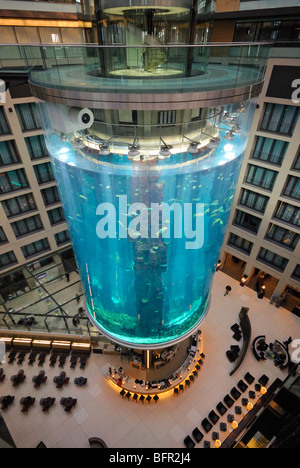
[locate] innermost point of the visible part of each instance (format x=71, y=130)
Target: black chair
x=27, y=402
x=197, y=434
x=189, y=443
x=229, y=402
x=238, y=410
x=242, y=386
x=135, y=397
x=249, y=378
x=237, y=336
x=207, y=426
x=122, y=393
x=223, y=427
x=80, y=381
x=245, y=401
x=230, y=418
x=263, y=380
x=149, y=398
x=235, y=393
x=235, y=327
x=251, y=394
x=156, y=398
x=215, y=436
x=221, y=408
x=206, y=444
x=128, y=395
x=176, y=391
x=6, y=401
x=142, y=398
x=213, y=417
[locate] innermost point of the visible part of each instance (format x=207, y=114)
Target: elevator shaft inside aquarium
x=147, y=218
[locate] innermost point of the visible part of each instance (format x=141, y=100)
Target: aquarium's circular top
x=72, y=85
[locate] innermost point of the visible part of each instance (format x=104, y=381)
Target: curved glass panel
x=147, y=217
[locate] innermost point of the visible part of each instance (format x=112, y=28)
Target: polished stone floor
x=100, y=410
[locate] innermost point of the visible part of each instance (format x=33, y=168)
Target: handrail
x=144, y=46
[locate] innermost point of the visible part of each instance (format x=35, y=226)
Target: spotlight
x=133, y=152
x=63, y=137
x=229, y=135
x=104, y=150
x=193, y=148
x=78, y=143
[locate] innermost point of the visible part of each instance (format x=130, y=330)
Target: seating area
x=276, y=351
x=36, y=357
x=236, y=401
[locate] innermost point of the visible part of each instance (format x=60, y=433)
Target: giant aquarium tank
x=146, y=140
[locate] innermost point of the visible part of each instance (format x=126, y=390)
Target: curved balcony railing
x=139, y=69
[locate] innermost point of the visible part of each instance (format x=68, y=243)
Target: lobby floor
x=100, y=410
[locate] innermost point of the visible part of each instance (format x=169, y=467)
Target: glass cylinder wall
x=147, y=195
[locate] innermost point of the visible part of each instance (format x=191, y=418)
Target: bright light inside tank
x=228, y=147
x=230, y=156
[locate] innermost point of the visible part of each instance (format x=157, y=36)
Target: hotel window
x=4, y=128
x=288, y=213
x=292, y=188
x=266, y=256
x=240, y=243
x=296, y=272
x=27, y=226
x=7, y=259
x=247, y=221
x=29, y=116
x=56, y=216
x=269, y=150
x=254, y=201
x=37, y=147
x=50, y=195
x=296, y=166
x=8, y=153
x=12, y=181
x=261, y=177
x=44, y=173
x=279, y=118
x=3, y=238
x=284, y=237
x=19, y=205
x=62, y=237
x=35, y=248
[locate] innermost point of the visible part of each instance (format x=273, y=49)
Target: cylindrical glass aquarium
x=146, y=158
x=147, y=211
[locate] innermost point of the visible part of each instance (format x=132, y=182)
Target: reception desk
x=187, y=372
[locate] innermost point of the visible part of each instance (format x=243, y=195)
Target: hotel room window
x=261, y=177
x=4, y=127
x=35, y=248
x=18, y=205
x=12, y=181
x=276, y=261
x=279, y=118
x=37, y=147
x=7, y=259
x=270, y=150
x=29, y=116
x=8, y=153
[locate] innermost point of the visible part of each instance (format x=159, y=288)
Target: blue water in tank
x=140, y=291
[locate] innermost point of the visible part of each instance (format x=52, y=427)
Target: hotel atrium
x=149, y=224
